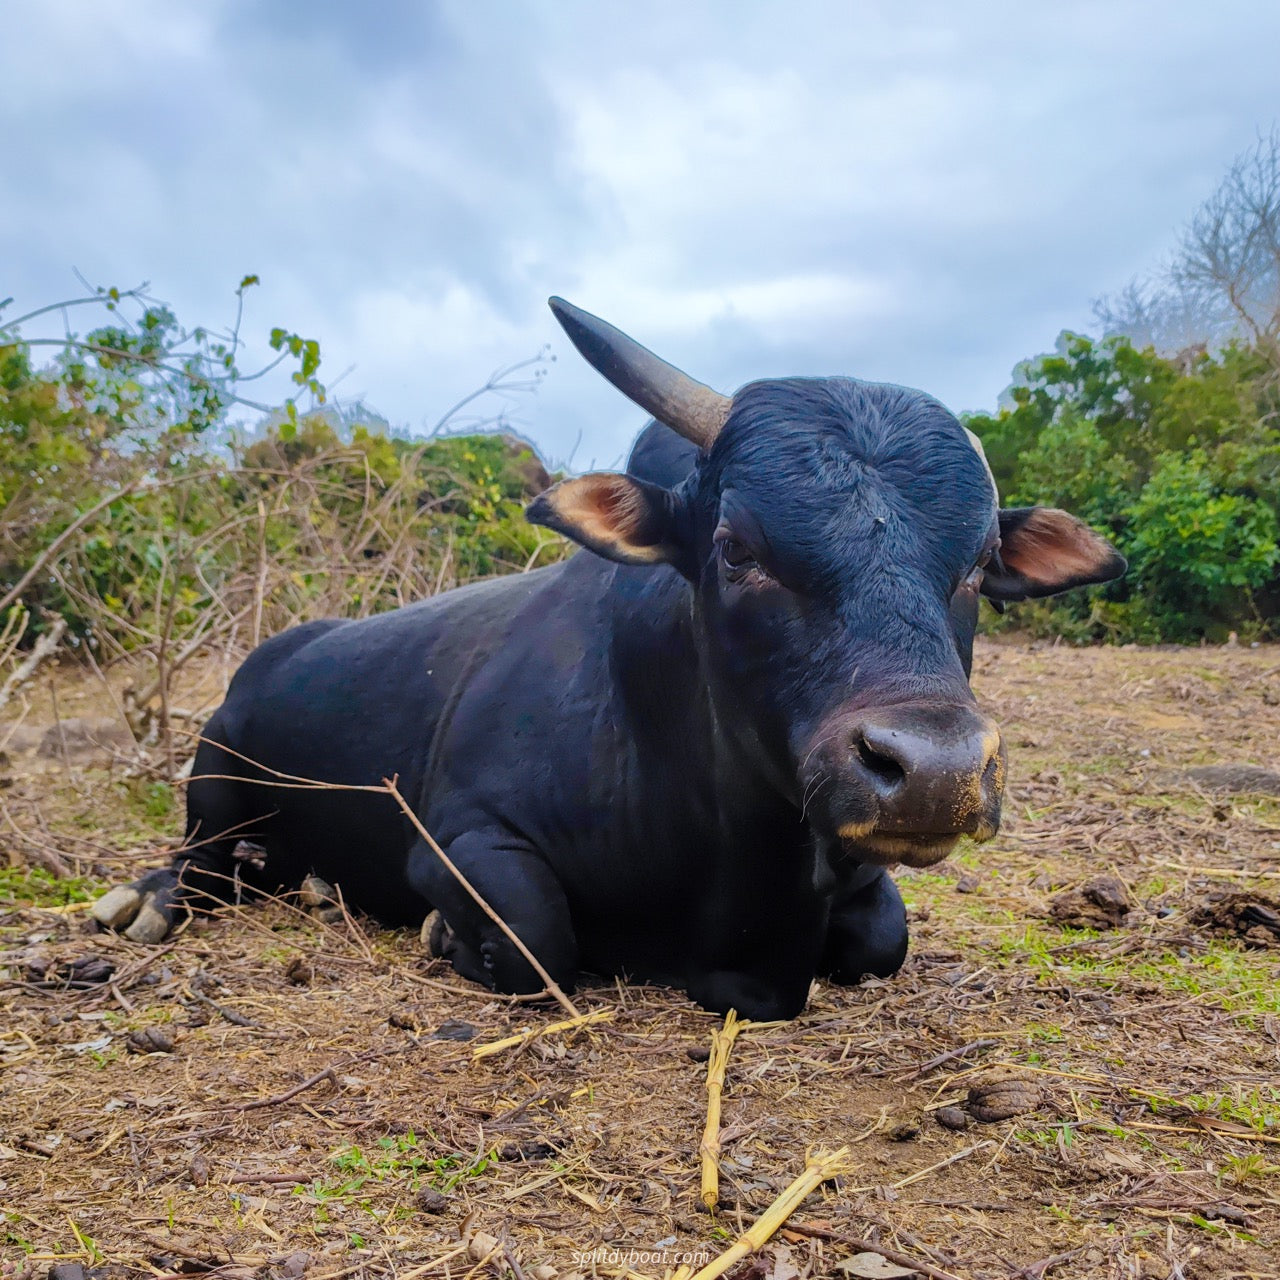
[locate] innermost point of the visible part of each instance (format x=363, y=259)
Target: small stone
x=199, y=1170
x=872, y=1266
x=531, y=1149
x=952, y=1118
x=67, y=1271
x=698, y=1053
x=454, y=1029
x=294, y=1267
x=431, y=1201
x=545, y=1272
x=149, y=1040
x=301, y=972
x=968, y=883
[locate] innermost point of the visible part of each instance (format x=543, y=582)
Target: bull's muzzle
x=904, y=782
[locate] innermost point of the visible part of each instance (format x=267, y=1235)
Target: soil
x=1036, y=1094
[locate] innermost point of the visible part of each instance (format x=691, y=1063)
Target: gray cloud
x=919, y=193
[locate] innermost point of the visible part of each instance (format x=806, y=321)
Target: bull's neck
x=656, y=664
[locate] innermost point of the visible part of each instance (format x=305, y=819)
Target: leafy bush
x=123, y=516
x=1176, y=459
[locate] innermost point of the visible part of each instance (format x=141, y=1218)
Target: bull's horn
x=982, y=453
x=684, y=404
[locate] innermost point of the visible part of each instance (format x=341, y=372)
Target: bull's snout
x=904, y=782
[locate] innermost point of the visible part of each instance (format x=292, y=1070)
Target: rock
x=294, y=1267
x=301, y=972
x=454, y=1029
x=1235, y=779
x=431, y=1201
x=871, y=1266
x=698, y=1053
x=1001, y=1095
x=952, y=1118
x=199, y=1170
x=968, y=883
x=149, y=1040
x=79, y=737
x=1100, y=903
x=530, y=1149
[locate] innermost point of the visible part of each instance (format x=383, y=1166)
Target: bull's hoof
x=144, y=911
x=152, y=924
x=117, y=907
x=436, y=936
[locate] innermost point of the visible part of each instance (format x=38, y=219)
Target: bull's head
x=837, y=535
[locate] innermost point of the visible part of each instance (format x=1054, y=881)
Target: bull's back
x=336, y=704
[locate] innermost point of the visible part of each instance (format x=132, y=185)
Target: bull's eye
x=734, y=554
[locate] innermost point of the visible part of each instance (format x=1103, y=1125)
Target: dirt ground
x=269, y=1094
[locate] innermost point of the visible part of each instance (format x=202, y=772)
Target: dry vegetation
x=269, y=1094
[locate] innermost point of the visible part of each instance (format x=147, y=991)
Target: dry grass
x=315, y=1100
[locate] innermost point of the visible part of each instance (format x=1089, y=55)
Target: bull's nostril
x=991, y=772
x=883, y=767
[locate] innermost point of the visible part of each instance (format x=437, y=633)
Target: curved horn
x=982, y=453
x=684, y=404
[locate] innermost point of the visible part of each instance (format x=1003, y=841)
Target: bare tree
x=1224, y=279
x=1231, y=251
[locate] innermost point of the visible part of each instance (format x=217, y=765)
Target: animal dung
x=1001, y=1096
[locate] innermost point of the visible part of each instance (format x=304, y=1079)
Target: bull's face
x=837, y=536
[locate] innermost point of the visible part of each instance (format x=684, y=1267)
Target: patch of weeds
x=1220, y=1228
x=1234, y=978
x=1242, y=1170
x=1259, y=1107
x=11, y=1235
x=1043, y=1033
x=36, y=887
x=152, y=798
x=399, y=1158
x=1055, y=1138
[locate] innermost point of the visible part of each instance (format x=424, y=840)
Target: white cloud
x=920, y=193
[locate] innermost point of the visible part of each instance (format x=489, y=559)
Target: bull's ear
x=614, y=515
x=1043, y=551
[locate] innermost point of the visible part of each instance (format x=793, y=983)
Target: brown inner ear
x=607, y=508
x=1051, y=546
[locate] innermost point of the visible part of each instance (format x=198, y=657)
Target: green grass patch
x=402, y=1158
x=1230, y=976
x=36, y=887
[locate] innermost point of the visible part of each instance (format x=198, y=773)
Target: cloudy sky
x=914, y=192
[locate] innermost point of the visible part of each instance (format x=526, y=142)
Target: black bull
x=688, y=757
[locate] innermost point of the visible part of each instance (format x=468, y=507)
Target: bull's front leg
x=867, y=929
x=521, y=888
x=757, y=949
